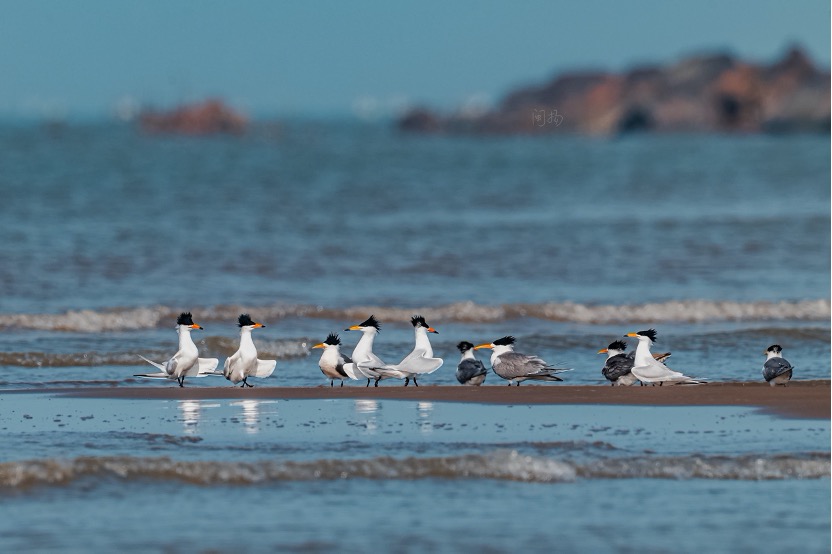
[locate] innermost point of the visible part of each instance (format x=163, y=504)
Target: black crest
x=185, y=318
x=418, y=321
x=649, y=333
x=244, y=320
x=618, y=345
x=776, y=348
x=464, y=346
x=332, y=339
x=505, y=341
x=371, y=322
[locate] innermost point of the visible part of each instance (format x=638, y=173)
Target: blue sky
x=334, y=57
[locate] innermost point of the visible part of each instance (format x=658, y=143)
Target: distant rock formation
x=202, y=118
x=710, y=93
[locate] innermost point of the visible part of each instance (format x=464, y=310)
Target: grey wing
x=617, y=366
x=514, y=364
x=775, y=367
x=171, y=365
x=468, y=369
x=339, y=367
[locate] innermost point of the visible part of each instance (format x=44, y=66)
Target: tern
x=332, y=361
x=186, y=362
x=420, y=361
x=470, y=370
x=364, y=361
x=244, y=363
x=648, y=369
x=516, y=367
x=619, y=364
x=776, y=370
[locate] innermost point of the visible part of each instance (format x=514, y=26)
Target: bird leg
x=414, y=382
x=407, y=380
x=181, y=381
x=332, y=381
x=368, y=382
x=342, y=383
x=377, y=380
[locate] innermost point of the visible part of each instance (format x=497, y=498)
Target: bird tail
x=691, y=382
x=154, y=364
x=544, y=377
x=162, y=375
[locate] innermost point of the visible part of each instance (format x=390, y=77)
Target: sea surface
x=720, y=243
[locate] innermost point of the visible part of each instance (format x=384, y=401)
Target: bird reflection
x=425, y=409
x=190, y=415
x=251, y=415
x=369, y=409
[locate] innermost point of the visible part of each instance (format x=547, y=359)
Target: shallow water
x=406, y=476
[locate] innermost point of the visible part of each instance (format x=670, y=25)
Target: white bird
x=244, y=363
x=186, y=362
x=648, y=369
x=332, y=361
x=619, y=365
x=469, y=371
x=364, y=361
x=516, y=367
x=420, y=361
x=776, y=370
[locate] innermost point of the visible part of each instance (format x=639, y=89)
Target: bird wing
x=424, y=366
x=656, y=371
x=352, y=372
x=514, y=364
x=339, y=366
x=617, y=366
x=229, y=364
x=208, y=366
x=774, y=367
x=468, y=369
x=202, y=367
x=264, y=368
x=418, y=363
x=368, y=366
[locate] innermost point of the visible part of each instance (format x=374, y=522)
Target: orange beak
x=631, y=335
x=195, y=326
x=487, y=345
x=602, y=351
x=353, y=328
x=432, y=330
x=258, y=325
x=319, y=345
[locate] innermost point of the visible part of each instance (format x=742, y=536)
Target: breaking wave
x=508, y=465
x=213, y=346
x=125, y=319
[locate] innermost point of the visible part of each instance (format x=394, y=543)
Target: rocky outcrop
x=708, y=93
x=203, y=118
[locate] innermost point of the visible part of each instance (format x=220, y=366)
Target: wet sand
x=800, y=399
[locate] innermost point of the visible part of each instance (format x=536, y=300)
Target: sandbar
x=800, y=399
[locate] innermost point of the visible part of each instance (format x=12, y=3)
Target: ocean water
x=721, y=243
x=397, y=476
